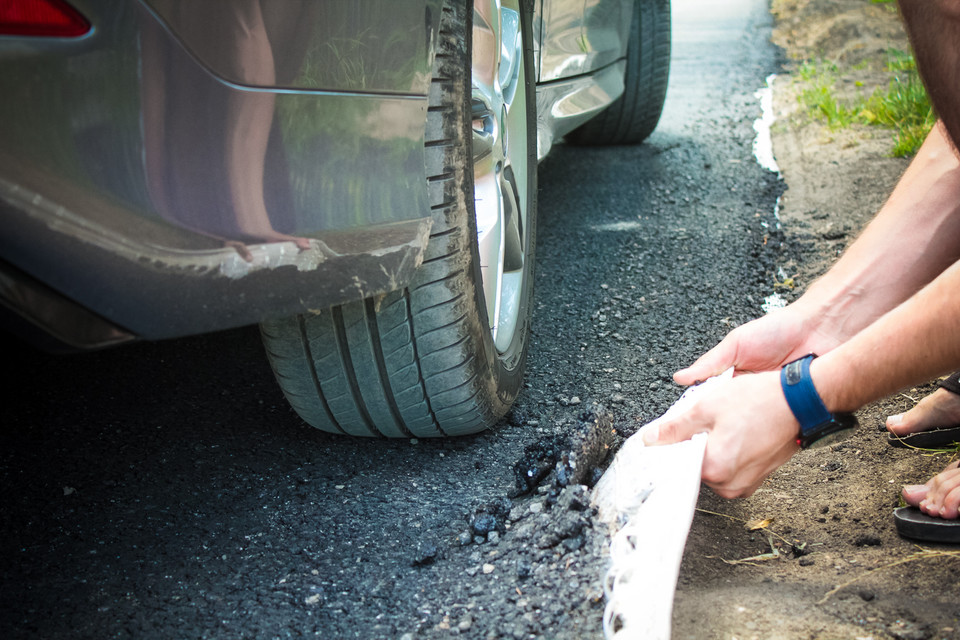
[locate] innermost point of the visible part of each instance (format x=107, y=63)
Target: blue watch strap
x=802, y=396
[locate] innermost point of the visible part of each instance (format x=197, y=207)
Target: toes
x=942, y=497
x=894, y=422
x=951, y=505
x=895, y=425
x=914, y=494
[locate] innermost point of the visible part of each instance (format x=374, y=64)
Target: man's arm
x=752, y=431
x=914, y=237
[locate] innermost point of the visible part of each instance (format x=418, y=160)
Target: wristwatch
x=818, y=426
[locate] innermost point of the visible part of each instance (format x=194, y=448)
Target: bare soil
x=831, y=508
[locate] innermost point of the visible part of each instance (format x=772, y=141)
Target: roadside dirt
x=830, y=508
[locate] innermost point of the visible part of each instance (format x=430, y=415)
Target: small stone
x=867, y=540
x=524, y=569
x=572, y=544
x=426, y=554
x=479, y=539
x=907, y=630
x=68, y=491
x=575, y=400
x=536, y=507
x=471, y=571
x=574, y=497
x=493, y=537
x=483, y=524
x=806, y=561
x=465, y=538
x=865, y=595
x=488, y=568
x=465, y=623
x=314, y=599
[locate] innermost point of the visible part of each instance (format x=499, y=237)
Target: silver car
x=357, y=176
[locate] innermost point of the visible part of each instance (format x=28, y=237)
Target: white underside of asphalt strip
x=648, y=497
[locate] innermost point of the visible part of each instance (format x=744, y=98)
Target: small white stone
x=488, y=568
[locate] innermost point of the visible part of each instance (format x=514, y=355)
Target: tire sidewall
x=506, y=369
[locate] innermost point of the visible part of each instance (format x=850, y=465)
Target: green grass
x=903, y=106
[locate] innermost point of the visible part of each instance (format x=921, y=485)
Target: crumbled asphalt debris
x=426, y=553
x=574, y=457
x=590, y=443
x=484, y=523
x=574, y=498
x=489, y=518
x=536, y=463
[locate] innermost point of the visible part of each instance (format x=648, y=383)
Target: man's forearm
x=914, y=237
x=911, y=344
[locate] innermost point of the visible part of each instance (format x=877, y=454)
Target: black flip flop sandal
x=916, y=525
x=929, y=439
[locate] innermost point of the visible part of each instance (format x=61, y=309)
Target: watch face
x=794, y=372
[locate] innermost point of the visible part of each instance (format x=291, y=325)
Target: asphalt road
x=166, y=490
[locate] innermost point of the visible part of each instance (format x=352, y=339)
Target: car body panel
x=366, y=46
x=582, y=36
x=126, y=161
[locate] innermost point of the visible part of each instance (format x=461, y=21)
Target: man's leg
x=934, y=30
x=939, y=410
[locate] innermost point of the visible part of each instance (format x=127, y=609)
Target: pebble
x=426, y=554
x=483, y=524
x=867, y=540
x=488, y=568
x=524, y=569
x=493, y=537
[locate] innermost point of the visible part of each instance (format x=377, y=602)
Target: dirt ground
x=831, y=508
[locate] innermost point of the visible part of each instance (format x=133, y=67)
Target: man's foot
x=940, y=409
x=940, y=496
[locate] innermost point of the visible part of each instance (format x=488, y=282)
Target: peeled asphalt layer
x=166, y=490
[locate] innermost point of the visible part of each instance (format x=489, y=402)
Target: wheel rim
x=500, y=162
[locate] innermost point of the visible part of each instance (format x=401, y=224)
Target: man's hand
x=764, y=344
x=751, y=432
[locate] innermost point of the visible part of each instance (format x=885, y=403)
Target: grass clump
x=903, y=106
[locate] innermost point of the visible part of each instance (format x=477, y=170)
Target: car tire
x=634, y=115
x=427, y=360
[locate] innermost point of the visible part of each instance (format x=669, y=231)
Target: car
x=356, y=176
